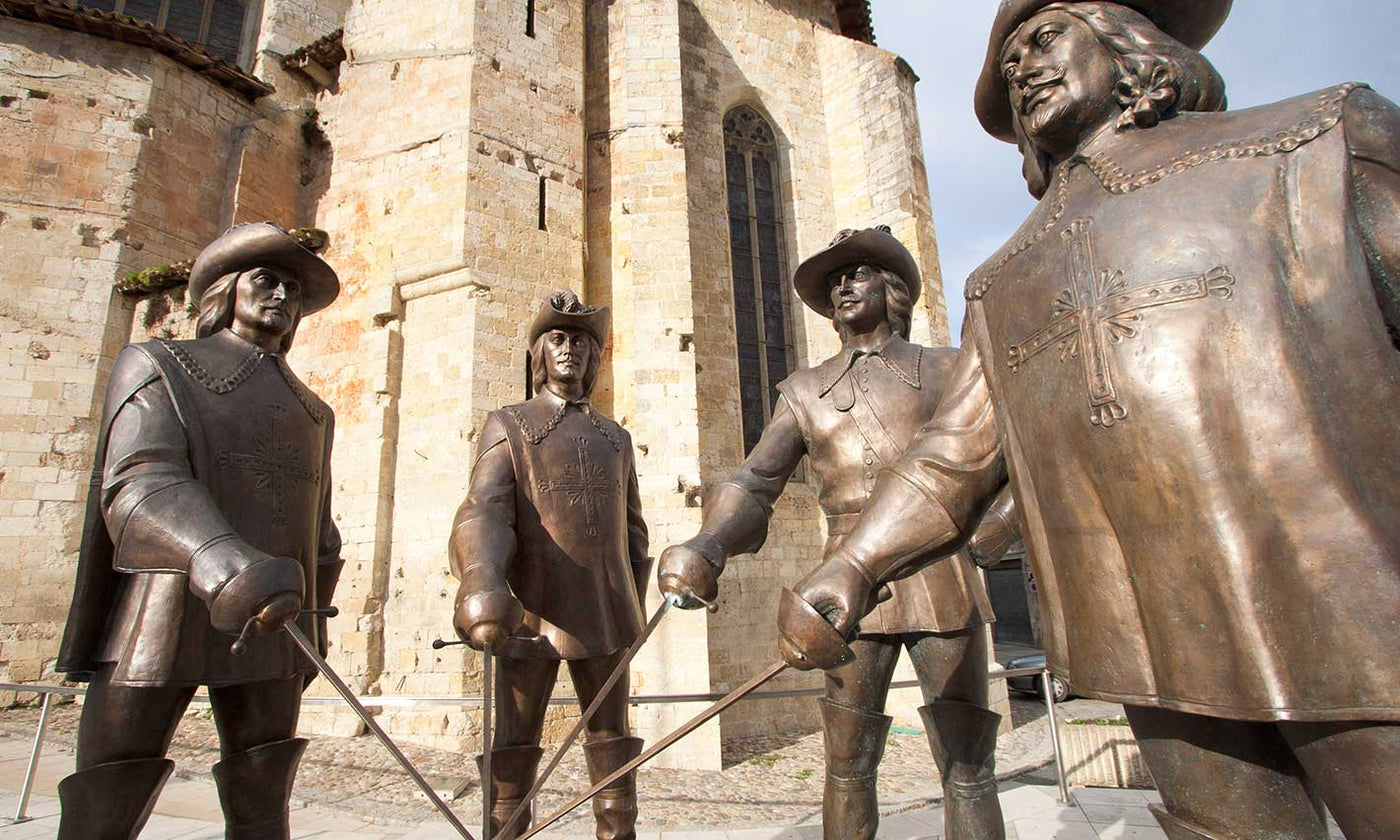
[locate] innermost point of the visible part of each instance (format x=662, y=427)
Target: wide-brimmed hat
x=564, y=311
x=265, y=245
x=872, y=246
x=1192, y=22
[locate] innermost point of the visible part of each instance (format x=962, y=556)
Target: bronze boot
x=255, y=789
x=855, y=743
x=963, y=738
x=513, y=771
x=615, y=806
x=111, y=801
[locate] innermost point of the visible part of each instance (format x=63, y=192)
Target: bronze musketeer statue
x=854, y=414
x=209, y=516
x=551, y=551
x=1186, y=364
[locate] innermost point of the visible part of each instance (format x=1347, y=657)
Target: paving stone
x=767, y=781
x=1101, y=815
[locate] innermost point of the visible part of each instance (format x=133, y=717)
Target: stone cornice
x=140, y=33
x=854, y=17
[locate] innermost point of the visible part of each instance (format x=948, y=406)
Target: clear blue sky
x=1268, y=50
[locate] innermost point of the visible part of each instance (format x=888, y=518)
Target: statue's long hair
x=216, y=310
x=1159, y=77
x=539, y=374
x=899, y=306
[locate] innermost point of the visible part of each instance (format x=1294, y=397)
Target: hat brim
x=265, y=246
x=1192, y=22
x=594, y=323
x=869, y=247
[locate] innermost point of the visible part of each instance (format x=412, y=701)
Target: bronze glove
x=686, y=573
x=238, y=582
x=486, y=615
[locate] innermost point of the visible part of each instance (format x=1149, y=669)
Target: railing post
x=28, y=788
x=1045, y=685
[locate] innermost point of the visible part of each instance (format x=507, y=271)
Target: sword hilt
x=240, y=645
x=711, y=607
x=439, y=644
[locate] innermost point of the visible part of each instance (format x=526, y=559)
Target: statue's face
x=567, y=354
x=1061, y=80
x=266, y=301
x=858, y=297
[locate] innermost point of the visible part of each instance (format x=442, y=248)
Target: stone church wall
x=437, y=161
x=640, y=262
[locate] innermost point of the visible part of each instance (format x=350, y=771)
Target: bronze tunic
x=854, y=414
x=561, y=476
x=228, y=433
x=1182, y=362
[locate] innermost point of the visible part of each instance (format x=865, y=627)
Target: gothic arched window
x=215, y=25
x=758, y=266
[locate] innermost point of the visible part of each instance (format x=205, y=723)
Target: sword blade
x=487, y=692
x=661, y=746
x=349, y=697
x=588, y=713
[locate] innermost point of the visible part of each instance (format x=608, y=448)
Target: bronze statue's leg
x=854, y=729
x=951, y=666
x=610, y=721
x=121, y=723
x=257, y=724
x=609, y=746
x=1225, y=779
x=123, y=736
x=865, y=681
x=1353, y=767
x=254, y=714
x=523, y=688
x=962, y=731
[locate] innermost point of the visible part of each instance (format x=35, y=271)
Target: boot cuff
x=960, y=734
x=854, y=739
x=513, y=771
x=603, y=757
x=111, y=800
x=255, y=787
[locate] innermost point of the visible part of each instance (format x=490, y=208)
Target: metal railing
x=48, y=692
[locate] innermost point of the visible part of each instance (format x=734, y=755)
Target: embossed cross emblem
x=274, y=465
x=1100, y=308
x=583, y=483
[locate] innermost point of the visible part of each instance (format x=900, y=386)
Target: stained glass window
x=758, y=265
x=216, y=25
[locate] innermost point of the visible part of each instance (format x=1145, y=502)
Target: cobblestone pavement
x=766, y=781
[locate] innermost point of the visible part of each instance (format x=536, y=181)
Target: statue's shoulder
x=135, y=366
x=612, y=430
x=1274, y=128
x=804, y=385
x=1373, y=128
x=936, y=363
x=533, y=411
x=1140, y=158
